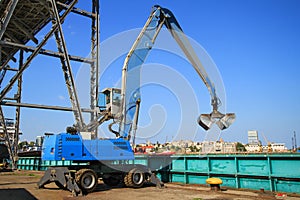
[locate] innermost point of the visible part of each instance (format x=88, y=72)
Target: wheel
x=134, y=178
x=86, y=179
x=111, y=180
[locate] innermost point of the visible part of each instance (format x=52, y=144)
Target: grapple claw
x=222, y=121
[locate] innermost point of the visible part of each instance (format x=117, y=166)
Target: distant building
x=218, y=147
x=184, y=143
x=253, y=147
x=278, y=147
x=270, y=148
x=207, y=147
x=144, y=149
x=253, y=137
x=229, y=147
x=10, y=128
x=39, y=141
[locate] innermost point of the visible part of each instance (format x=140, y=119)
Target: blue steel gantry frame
x=20, y=21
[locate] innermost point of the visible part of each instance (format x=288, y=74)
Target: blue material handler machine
x=108, y=158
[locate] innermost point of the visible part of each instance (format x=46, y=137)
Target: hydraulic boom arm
x=130, y=86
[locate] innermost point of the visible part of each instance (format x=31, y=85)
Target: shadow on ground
x=5, y=170
x=16, y=194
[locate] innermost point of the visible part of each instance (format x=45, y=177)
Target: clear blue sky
x=255, y=45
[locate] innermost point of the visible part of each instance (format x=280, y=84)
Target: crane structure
x=269, y=144
x=97, y=158
x=20, y=21
x=109, y=158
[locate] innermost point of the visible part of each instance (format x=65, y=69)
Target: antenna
x=295, y=140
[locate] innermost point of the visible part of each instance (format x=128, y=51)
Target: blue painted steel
x=254, y=183
x=287, y=186
x=31, y=163
x=285, y=168
x=197, y=164
x=65, y=146
x=222, y=166
x=178, y=165
x=253, y=166
x=35, y=163
x=141, y=160
x=274, y=172
x=195, y=179
x=229, y=181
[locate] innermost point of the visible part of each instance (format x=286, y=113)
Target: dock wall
x=270, y=172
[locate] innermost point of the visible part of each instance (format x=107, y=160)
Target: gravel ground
x=23, y=185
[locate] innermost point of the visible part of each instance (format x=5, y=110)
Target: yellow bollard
x=214, y=183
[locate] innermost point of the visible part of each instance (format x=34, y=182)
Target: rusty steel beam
x=45, y=107
x=94, y=70
x=25, y=29
x=7, y=15
x=30, y=58
x=66, y=65
x=18, y=109
x=44, y=51
x=77, y=10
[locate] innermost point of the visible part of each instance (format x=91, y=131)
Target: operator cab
x=110, y=100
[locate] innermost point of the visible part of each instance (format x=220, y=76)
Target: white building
x=218, y=147
x=10, y=128
x=271, y=147
x=253, y=137
x=278, y=147
x=253, y=147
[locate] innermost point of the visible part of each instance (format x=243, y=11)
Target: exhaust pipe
x=223, y=121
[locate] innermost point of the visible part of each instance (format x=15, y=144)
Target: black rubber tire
x=111, y=180
x=87, y=180
x=127, y=181
x=134, y=178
